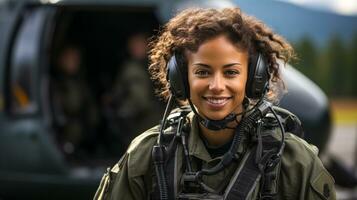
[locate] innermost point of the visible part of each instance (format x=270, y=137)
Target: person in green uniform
x=225, y=139
x=75, y=112
x=135, y=105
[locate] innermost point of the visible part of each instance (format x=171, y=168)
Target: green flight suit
x=302, y=175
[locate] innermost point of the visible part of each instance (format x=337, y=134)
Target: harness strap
x=251, y=173
x=245, y=179
x=263, y=170
x=170, y=169
x=271, y=170
x=170, y=143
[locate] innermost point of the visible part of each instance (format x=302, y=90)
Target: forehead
x=218, y=49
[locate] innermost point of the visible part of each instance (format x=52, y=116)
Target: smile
x=217, y=101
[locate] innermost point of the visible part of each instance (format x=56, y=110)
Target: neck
x=220, y=137
x=217, y=138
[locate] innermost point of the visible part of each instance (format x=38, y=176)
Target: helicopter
x=32, y=163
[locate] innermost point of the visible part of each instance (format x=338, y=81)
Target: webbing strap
x=249, y=175
x=170, y=176
x=243, y=182
x=247, y=178
x=169, y=170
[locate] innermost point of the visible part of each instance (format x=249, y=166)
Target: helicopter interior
x=94, y=108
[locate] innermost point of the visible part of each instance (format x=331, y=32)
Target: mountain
x=294, y=22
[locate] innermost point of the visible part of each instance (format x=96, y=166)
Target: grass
x=344, y=111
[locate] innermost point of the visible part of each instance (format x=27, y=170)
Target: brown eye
x=231, y=73
x=201, y=73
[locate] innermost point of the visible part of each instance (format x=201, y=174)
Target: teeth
x=216, y=101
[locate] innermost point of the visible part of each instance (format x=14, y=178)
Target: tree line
x=333, y=66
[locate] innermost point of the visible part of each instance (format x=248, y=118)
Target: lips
x=217, y=102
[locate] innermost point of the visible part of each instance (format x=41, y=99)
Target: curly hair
x=192, y=27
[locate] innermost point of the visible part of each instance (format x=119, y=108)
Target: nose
x=217, y=84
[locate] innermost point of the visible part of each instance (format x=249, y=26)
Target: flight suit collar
x=196, y=145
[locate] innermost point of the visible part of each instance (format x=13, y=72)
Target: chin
x=216, y=116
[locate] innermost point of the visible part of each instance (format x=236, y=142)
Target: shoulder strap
x=247, y=177
x=291, y=122
x=244, y=179
x=170, y=142
x=169, y=167
x=271, y=168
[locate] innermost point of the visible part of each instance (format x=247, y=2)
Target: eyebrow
x=224, y=66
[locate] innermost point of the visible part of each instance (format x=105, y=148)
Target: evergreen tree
x=351, y=85
x=307, y=57
x=322, y=71
x=333, y=67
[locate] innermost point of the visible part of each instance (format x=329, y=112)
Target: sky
x=343, y=7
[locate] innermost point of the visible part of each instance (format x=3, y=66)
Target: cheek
x=238, y=87
x=189, y=81
x=241, y=90
x=196, y=86
x=243, y=82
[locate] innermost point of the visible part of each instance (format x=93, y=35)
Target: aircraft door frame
x=10, y=17
x=25, y=138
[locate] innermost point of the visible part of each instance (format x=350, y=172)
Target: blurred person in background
x=75, y=110
x=135, y=107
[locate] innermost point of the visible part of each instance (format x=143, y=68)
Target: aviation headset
x=257, y=82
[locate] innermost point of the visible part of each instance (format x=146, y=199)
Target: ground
x=343, y=142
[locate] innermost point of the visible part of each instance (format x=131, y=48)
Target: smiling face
x=217, y=75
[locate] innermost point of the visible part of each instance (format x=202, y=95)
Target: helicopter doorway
x=100, y=92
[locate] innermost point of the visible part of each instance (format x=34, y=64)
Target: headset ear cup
x=177, y=79
x=258, y=77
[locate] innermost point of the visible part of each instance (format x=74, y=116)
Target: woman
x=224, y=65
